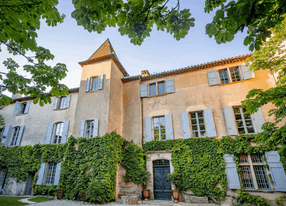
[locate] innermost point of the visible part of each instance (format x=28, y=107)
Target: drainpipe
x=142, y=119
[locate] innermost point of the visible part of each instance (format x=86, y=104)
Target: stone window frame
x=228, y=69
x=15, y=136
x=250, y=163
x=243, y=121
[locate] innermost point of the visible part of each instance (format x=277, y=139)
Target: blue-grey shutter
x=148, y=129
x=81, y=128
x=258, y=120
x=49, y=133
x=169, y=126
x=17, y=107
x=209, y=123
x=67, y=101
x=212, y=77
x=56, y=100
x=41, y=174
x=2, y=178
x=20, y=135
x=186, y=125
x=7, y=133
x=246, y=73
x=100, y=81
x=57, y=175
x=229, y=120
x=170, y=85
x=276, y=170
x=27, y=107
x=231, y=173
x=95, y=127
x=143, y=90
x=65, y=132
x=87, y=84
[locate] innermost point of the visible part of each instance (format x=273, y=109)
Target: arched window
x=15, y=136
x=58, y=133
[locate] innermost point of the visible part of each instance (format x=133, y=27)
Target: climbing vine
x=2, y=121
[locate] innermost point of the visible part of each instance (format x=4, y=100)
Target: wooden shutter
x=49, y=133
x=87, y=84
x=81, y=128
x=212, y=77
x=17, y=107
x=246, y=73
x=100, y=81
x=95, y=127
x=148, y=129
x=143, y=90
x=209, y=123
x=186, y=125
x=41, y=174
x=231, y=173
x=170, y=85
x=7, y=133
x=67, y=101
x=57, y=175
x=20, y=135
x=65, y=132
x=276, y=170
x=27, y=107
x=258, y=120
x=229, y=121
x=56, y=100
x=169, y=126
x=2, y=178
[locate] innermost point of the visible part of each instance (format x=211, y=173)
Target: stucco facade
x=129, y=105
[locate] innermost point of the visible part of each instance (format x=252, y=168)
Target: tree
x=19, y=21
x=272, y=55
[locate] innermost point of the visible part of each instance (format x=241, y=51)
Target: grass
x=11, y=201
x=40, y=199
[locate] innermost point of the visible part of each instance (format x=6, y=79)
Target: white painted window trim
x=12, y=144
x=54, y=132
x=198, y=124
x=243, y=121
x=153, y=130
x=229, y=74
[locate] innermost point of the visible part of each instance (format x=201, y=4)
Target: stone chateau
x=191, y=102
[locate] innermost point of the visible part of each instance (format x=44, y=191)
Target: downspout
x=142, y=119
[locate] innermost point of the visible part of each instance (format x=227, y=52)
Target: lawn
x=40, y=199
x=11, y=201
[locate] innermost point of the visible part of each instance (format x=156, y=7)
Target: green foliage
x=19, y=22
x=12, y=201
x=134, y=161
x=280, y=199
x=245, y=197
x=175, y=178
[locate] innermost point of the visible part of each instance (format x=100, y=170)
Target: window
x=51, y=171
x=94, y=85
x=244, y=121
x=15, y=136
x=22, y=108
x=253, y=173
x=198, y=124
x=223, y=74
x=235, y=75
x=57, y=133
x=62, y=102
x=161, y=88
x=159, y=128
x=89, y=129
x=152, y=90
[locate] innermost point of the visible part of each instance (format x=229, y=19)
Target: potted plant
x=175, y=178
x=146, y=192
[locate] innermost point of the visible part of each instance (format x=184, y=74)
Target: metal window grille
x=22, y=108
x=261, y=177
x=198, y=124
x=51, y=173
x=94, y=84
x=159, y=128
x=161, y=88
x=246, y=177
x=152, y=88
x=58, y=132
x=223, y=76
x=243, y=158
x=89, y=129
x=255, y=158
x=15, y=136
x=160, y=163
x=235, y=76
x=244, y=121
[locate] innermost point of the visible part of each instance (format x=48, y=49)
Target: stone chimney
x=16, y=96
x=145, y=73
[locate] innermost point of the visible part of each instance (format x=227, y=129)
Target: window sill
x=263, y=191
x=230, y=83
x=20, y=114
x=60, y=109
x=158, y=95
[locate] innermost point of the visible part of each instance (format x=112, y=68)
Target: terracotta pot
x=146, y=193
x=176, y=195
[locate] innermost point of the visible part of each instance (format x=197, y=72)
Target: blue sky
x=71, y=44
